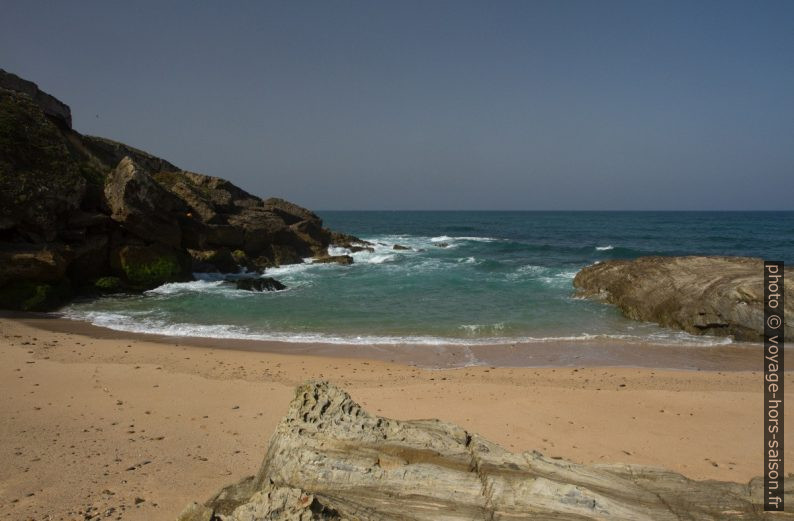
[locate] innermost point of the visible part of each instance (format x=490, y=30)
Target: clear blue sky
x=436, y=105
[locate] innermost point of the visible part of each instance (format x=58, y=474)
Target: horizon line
x=525, y=210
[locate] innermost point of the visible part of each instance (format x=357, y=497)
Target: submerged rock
x=259, y=284
x=400, y=247
x=331, y=460
x=701, y=295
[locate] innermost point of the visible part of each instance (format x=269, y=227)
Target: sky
x=531, y=105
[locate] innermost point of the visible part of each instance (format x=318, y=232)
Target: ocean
x=469, y=277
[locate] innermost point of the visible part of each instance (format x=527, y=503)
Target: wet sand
x=737, y=356
x=135, y=426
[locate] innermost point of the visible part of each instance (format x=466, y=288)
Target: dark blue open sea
x=469, y=278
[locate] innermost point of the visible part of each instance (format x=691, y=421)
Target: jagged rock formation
x=82, y=214
x=51, y=106
x=334, y=259
x=702, y=295
x=331, y=460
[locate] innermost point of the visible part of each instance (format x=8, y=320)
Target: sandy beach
x=111, y=424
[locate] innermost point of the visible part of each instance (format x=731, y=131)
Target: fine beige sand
x=126, y=427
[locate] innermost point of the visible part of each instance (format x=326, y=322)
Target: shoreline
x=97, y=420
x=598, y=352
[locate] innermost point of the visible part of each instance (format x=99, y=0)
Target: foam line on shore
x=147, y=325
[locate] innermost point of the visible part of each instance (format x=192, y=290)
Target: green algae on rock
x=34, y=296
x=147, y=267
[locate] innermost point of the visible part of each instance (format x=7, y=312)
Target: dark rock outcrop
x=41, y=180
x=331, y=460
x=334, y=259
x=110, y=152
x=79, y=211
x=291, y=213
x=349, y=241
x=143, y=207
x=221, y=260
x=51, y=106
x=150, y=265
x=701, y=295
x=259, y=284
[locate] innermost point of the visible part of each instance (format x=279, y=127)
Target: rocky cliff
x=331, y=460
x=702, y=295
x=82, y=214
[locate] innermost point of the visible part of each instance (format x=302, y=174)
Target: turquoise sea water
x=502, y=277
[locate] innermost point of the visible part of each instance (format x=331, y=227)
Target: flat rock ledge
x=720, y=296
x=331, y=460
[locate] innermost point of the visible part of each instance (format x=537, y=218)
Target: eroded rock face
x=110, y=152
x=142, y=206
x=41, y=181
x=223, y=215
x=34, y=264
x=208, y=261
x=701, y=295
x=291, y=212
x=77, y=211
x=331, y=460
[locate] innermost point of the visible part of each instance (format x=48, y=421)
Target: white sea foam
x=447, y=238
x=477, y=239
x=528, y=270
x=418, y=244
x=338, y=250
x=543, y=274
x=605, y=248
x=196, y=286
x=480, y=328
x=471, y=360
x=379, y=259
x=143, y=322
x=422, y=259
x=292, y=269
